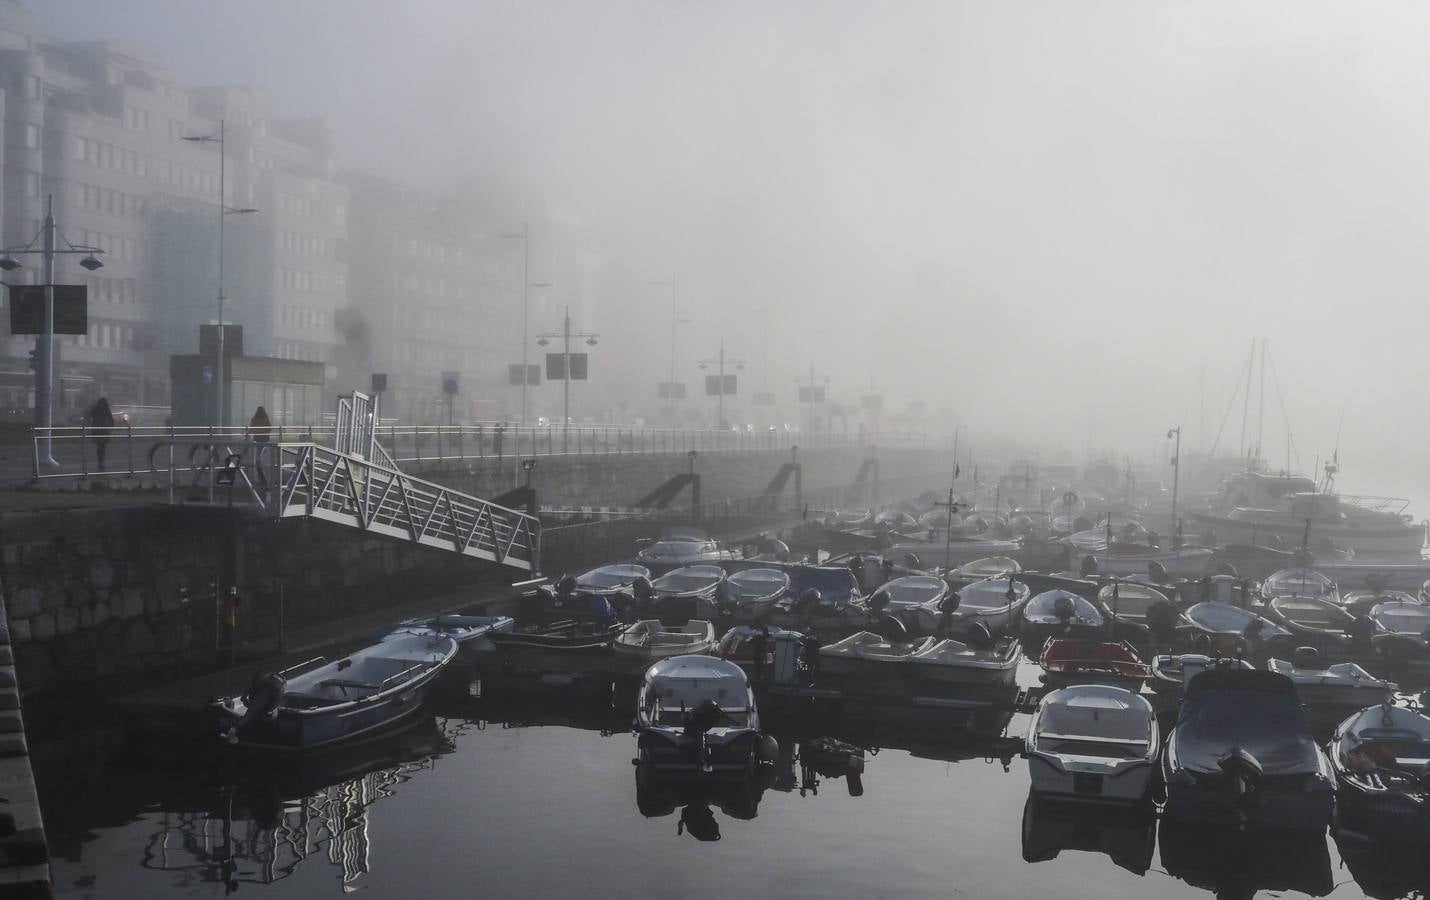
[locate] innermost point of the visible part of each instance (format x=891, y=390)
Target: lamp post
x=526, y=286
x=1176, y=474
x=675, y=320
x=566, y=334
x=45, y=344
x=224, y=211
x=720, y=361
x=810, y=397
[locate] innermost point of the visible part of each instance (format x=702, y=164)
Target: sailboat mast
x=1261, y=402
x=1241, y=447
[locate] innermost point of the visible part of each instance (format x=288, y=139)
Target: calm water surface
x=533, y=799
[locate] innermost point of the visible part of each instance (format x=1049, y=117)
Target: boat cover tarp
x=1254, y=710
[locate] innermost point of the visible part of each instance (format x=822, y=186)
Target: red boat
x=1068, y=662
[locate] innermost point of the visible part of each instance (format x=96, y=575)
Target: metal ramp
x=358, y=485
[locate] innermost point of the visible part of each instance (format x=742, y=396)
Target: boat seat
x=1094, y=739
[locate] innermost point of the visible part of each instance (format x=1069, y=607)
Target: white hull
x=1372, y=541
x=1130, y=785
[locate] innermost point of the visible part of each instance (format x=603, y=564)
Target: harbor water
x=538, y=797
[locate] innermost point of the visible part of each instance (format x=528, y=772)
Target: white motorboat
x=696, y=715
x=1343, y=684
x=1093, y=742
x=867, y=653
x=682, y=548
x=618, y=577
x=995, y=602
x=1299, y=582
x=1172, y=672
x=1402, y=632
x=953, y=662
x=987, y=567
x=1061, y=613
x=1221, y=627
x=1128, y=602
x=917, y=600
x=746, y=596
x=650, y=639
x=1380, y=755
x=318, y=703
x=1361, y=602
x=686, y=592
x=952, y=552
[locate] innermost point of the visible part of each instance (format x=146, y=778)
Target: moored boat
x=994, y=602
x=558, y=637
x=618, y=577
x=1222, y=628
x=1339, y=685
x=472, y=633
x=1129, y=603
x=1093, y=742
x=319, y=703
x=1380, y=756
x=1298, y=582
x=1402, y=633
x=746, y=596
x=1066, y=662
x=650, y=639
x=1171, y=673
x=696, y=715
x=682, y=593
x=954, y=662
x=1060, y=613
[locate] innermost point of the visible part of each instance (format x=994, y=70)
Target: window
x=32, y=137
x=32, y=184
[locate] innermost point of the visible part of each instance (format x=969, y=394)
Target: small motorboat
x=1242, y=754
x=1342, y=684
x=318, y=703
x=1213, y=628
x=1298, y=582
x=954, y=551
x=1402, y=632
x=1359, y=603
x=682, y=548
x=1060, y=613
x=649, y=639
x=764, y=648
x=746, y=596
x=1093, y=742
x=470, y=632
x=826, y=600
x=1227, y=589
x=994, y=602
x=1171, y=673
x=682, y=593
x=868, y=654
x=618, y=577
x=696, y=715
x=994, y=662
x=1066, y=662
x=564, y=636
x=917, y=600
x=1129, y=604
x=1381, y=757
x=1319, y=623
x=986, y=567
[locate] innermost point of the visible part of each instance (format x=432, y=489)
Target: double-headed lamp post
x=526, y=286
x=224, y=211
x=566, y=334
x=45, y=344
x=1176, y=474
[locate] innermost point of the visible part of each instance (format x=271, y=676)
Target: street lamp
x=224, y=211
x=675, y=320
x=526, y=286
x=566, y=334
x=720, y=361
x=45, y=344
x=1176, y=474
x=810, y=397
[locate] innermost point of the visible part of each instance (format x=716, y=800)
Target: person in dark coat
x=260, y=431
x=101, y=422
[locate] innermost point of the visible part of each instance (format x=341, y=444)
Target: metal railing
x=313, y=481
x=131, y=451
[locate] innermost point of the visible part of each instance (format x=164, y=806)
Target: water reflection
x=697, y=800
x=1234, y=865
x=1126, y=836
x=272, y=815
x=1388, y=871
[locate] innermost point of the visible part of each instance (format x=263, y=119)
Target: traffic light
x=34, y=361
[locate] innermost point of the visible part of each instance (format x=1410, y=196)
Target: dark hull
x=1381, y=815
x=308, y=729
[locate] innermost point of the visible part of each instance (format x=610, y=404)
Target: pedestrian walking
x=101, y=422
x=260, y=431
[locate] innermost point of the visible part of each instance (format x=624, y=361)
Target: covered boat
x=618, y=577
x=1171, y=673
x=826, y=600
x=1067, y=662
x=1242, y=754
x=319, y=703
x=1381, y=757
x=470, y=632
x=1093, y=742
x=650, y=639
x=746, y=596
x=696, y=715
x=1060, y=613
x=1402, y=632
x=1342, y=684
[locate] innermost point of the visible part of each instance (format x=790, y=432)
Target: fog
x=1049, y=220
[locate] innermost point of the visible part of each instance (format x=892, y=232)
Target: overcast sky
x=1051, y=216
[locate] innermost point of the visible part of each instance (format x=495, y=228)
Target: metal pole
x=45, y=355
x=566, y=387
x=674, y=317
x=1176, y=476
x=721, y=404
x=222, y=179
x=525, y=310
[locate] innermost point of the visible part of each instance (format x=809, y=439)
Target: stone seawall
x=110, y=596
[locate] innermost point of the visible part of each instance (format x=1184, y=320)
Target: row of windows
x=296, y=350
x=136, y=119
x=113, y=290
x=108, y=336
x=306, y=244
x=300, y=280
x=428, y=250
x=293, y=205
x=105, y=155
x=114, y=203
x=114, y=246
x=304, y=317
x=433, y=285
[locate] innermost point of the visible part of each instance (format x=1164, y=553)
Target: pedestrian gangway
x=357, y=484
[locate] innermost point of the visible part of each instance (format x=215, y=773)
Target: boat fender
x=705, y=716
x=263, y=698
x=768, y=750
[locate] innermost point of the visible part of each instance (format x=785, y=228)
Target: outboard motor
x=1244, y=772
x=1064, y=608
x=807, y=601
x=1306, y=658
x=1362, y=631
x=642, y=589
x=950, y=603
x=1082, y=523
x=912, y=561
x=1089, y=566
x=1162, y=619
x=879, y=601
x=705, y=716
x=263, y=698
x=1157, y=572
x=727, y=598
x=565, y=590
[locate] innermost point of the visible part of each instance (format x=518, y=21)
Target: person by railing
x=101, y=423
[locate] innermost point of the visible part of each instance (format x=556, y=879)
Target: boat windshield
x=1406, y=620
x=683, y=582
x=991, y=593
x=913, y=589
x=760, y=582
x=602, y=579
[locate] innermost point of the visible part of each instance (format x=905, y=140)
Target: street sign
x=556, y=366
x=449, y=382
x=27, y=309
x=533, y=374
x=814, y=395
x=764, y=398
x=712, y=385
x=379, y=382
